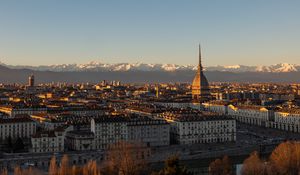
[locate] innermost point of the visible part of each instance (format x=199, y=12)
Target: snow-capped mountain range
x=99, y=67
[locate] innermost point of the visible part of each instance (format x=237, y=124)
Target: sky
x=231, y=32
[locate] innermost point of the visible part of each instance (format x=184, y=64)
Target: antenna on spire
x=200, y=57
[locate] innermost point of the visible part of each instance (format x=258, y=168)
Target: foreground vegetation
x=172, y=167
x=121, y=160
x=284, y=160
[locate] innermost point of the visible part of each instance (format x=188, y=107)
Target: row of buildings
x=13, y=110
x=175, y=126
x=287, y=119
x=190, y=126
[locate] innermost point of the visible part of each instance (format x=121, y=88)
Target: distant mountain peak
x=96, y=66
x=233, y=67
x=281, y=67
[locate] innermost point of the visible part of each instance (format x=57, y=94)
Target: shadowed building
x=200, y=86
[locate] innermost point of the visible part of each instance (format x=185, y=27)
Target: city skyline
x=231, y=32
x=119, y=87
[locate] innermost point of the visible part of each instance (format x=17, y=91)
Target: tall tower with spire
x=200, y=86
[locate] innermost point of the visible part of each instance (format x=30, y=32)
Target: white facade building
x=149, y=131
x=283, y=119
x=192, y=127
x=220, y=108
x=49, y=141
x=80, y=140
x=17, y=128
x=109, y=130
x=287, y=120
x=112, y=129
x=253, y=115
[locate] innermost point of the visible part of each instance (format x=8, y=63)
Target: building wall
x=221, y=109
x=29, y=111
x=47, y=143
x=109, y=133
x=152, y=134
x=203, y=131
x=17, y=130
x=80, y=142
x=149, y=132
x=286, y=121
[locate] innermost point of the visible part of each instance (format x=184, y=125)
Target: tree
x=227, y=166
x=17, y=170
x=31, y=171
x=64, y=168
x=215, y=167
x=285, y=159
x=173, y=167
x=4, y=172
x=76, y=170
x=221, y=167
x=53, y=170
x=28, y=171
x=253, y=165
x=124, y=158
x=91, y=168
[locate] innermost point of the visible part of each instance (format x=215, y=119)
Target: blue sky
x=249, y=32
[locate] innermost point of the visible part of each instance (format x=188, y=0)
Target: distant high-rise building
x=31, y=80
x=200, y=86
x=157, y=91
x=103, y=83
x=116, y=83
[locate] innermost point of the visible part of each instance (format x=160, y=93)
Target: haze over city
x=231, y=32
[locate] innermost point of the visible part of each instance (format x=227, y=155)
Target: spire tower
x=200, y=85
x=200, y=64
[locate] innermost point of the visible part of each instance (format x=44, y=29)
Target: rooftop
x=192, y=115
x=15, y=120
